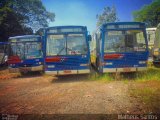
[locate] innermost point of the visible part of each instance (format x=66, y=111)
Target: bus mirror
x=89, y=37
x=43, y=37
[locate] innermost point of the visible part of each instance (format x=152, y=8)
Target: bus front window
x=76, y=44
x=71, y=44
x=26, y=50
x=56, y=45
x=124, y=41
x=33, y=50
x=17, y=49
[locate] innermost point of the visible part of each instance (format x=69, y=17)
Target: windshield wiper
x=60, y=51
x=63, y=49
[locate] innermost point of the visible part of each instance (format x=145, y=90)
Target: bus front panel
x=67, y=54
x=124, y=50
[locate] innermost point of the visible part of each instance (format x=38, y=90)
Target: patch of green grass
x=101, y=77
x=150, y=74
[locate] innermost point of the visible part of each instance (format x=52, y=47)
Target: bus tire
x=157, y=65
x=23, y=73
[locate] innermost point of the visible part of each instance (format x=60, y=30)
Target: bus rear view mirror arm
x=89, y=37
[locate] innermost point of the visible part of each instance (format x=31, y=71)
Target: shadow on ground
x=129, y=76
x=71, y=78
x=30, y=75
x=2, y=68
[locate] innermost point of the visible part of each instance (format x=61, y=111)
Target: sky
x=83, y=12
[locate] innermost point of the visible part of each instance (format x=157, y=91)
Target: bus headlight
x=156, y=52
x=142, y=62
x=40, y=63
x=109, y=63
x=12, y=65
x=83, y=64
x=51, y=66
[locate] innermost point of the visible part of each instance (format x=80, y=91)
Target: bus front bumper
x=68, y=72
x=26, y=69
x=130, y=69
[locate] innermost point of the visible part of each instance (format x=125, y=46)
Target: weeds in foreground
x=101, y=77
x=151, y=74
x=146, y=88
x=149, y=97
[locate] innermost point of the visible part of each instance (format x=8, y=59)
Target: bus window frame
x=38, y=40
x=66, y=33
x=142, y=29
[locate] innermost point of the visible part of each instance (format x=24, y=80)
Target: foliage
x=22, y=17
x=108, y=15
x=148, y=93
x=151, y=74
x=150, y=14
x=11, y=27
x=101, y=77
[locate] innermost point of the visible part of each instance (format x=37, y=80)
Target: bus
x=120, y=47
x=156, y=48
x=26, y=54
x=67, y=50
x=151, y=38
x=3, y=53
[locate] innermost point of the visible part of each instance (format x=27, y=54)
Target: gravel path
x=65, y=95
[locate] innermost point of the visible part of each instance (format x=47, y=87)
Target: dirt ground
x=74, y=94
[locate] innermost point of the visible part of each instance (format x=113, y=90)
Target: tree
x=22, y=17
x=150, y=14
x=11, y=27
x=108, y=15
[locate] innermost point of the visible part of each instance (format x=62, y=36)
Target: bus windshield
x=26, y=50
x=124, y=41
x=70, y=44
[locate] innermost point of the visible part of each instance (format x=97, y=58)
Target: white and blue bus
x=67, y=50
x=120, y=47
x=25, y=54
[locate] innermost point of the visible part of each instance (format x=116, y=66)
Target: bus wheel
x=24, y=73
x=41, y=72
x=156, y=65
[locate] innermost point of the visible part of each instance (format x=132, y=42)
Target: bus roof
x=67, y=26
x=24, y=36
x=120, y=23
x=151, y=29
x=3, y=43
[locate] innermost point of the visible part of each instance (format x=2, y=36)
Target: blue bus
x=120, y=47
x=3, y=53
x=67, y=50
x=25, y=54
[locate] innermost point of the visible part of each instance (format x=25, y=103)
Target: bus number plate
x=67, y=71
x=126, y=69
